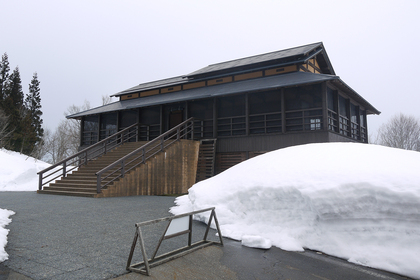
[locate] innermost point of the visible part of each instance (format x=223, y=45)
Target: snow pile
x=18, y=172
x=4, y=221
x=355, y=201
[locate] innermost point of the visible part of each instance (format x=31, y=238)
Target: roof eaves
x=370, y=107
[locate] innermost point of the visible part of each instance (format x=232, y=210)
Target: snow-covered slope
x=17, y=173
x=355, y=201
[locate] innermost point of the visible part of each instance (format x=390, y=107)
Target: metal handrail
x=82, y=158
x=123, y=165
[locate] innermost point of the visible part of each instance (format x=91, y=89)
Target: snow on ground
x=4, y=221
x=355, y=201
x=17, y=173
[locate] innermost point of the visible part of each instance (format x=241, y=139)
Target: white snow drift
x=17, y=173
x=355, y=201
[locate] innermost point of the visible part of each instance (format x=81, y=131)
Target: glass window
x=128, y=118
x=306, y=97
x=343, y=106
x=149, y=123
x=353, y=113
x=201, y=109
x=230, y=106
x=108, y=125
x=264, y=102
x=332, y=99
x=90, y=130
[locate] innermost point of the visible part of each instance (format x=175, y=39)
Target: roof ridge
x=246, y=57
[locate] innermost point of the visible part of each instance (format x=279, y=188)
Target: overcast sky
x=83, y=50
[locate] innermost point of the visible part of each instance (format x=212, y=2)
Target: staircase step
x=71, y=189
x=67, y=193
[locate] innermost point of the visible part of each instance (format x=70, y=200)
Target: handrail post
x=40, y=181
x=161, y=143
x=178, y=133
x=122, y=169
x=98, y=183
x=64, y=168
x=192, y=129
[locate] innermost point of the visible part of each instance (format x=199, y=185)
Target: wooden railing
x=62, y=168
x=119, y=168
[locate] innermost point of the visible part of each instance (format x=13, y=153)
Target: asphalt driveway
x=62, y=237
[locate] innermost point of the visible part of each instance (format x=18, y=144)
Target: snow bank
x=355, y=201
x=18, y=172
x=4, y=221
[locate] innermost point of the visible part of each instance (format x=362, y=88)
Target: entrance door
x=175, y=118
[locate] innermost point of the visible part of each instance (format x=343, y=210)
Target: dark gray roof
x=262, y=61
x=154, y=84
x=272, y=56
x=266, y=83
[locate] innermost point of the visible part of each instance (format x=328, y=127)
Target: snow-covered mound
x=18, y=172
x=355, y=201
x=4, y=221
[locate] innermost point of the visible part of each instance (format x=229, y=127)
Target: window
x=149, y=123
x=354, y=121
x=90, y=130
x=343, y=116
x=303, y=108
x=202, y=111
x=264, y=112
x=108, y=125
x=231, y=115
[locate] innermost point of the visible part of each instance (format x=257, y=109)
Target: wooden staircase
x=206, y=159
x=83, y=181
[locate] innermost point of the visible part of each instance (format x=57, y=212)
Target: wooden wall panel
x=248, y=76
x=170, y=172
x=281, y=70
x=194, y=85
x=170, y=89
x=148, y=93
x=219, y=81
x=129, y=96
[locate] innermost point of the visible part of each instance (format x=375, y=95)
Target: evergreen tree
x=32, y=122
x=14, y=109
x=4, y=75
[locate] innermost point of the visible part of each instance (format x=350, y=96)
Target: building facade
x=247, y=106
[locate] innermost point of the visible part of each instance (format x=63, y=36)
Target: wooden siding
x=219, y=81
x=280, y=70
x=170, y=172
x=194, y=85
x=170, y=89
x=129, y=96
x=248, y=76
x=148, y=93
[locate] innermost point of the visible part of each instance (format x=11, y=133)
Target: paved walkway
x=59, y=237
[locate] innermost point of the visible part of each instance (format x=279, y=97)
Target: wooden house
x=242, y=107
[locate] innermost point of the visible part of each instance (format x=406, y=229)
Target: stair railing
x=119, y=168
x=64, y=167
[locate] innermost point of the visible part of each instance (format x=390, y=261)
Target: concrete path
x=59, y=237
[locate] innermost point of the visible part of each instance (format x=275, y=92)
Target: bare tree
x=73, y=127
x=106, y=99
x=65, y=140
x=400, y=131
